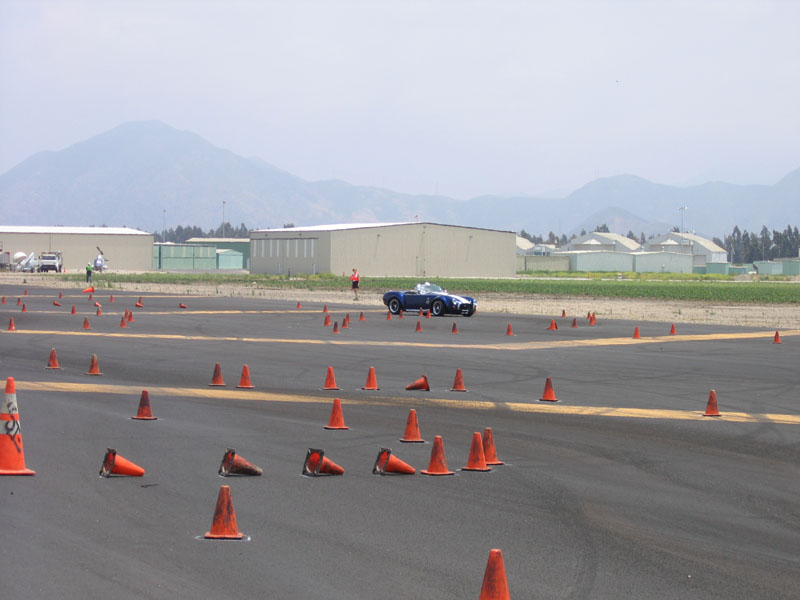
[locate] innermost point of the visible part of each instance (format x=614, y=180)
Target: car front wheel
x=394, y=306
x=437, y=308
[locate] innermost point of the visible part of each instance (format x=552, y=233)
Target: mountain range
x=130, y=175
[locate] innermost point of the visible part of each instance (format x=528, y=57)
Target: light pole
x=223, y=218
x=164, y=225
x=682, y=210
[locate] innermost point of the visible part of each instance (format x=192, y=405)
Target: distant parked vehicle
x=50, y=261
x=429, y=296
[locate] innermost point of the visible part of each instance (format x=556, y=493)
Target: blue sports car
x=429, y=296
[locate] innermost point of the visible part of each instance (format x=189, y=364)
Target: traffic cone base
x=711, y=408
x=223, y=525
x=12, y=455
x=317, y=464
x=52, y=362
x=458, y=382
x=389, y=463
x=216, y=378
x=145, y=413
x=412, y=435
x=549, y=394
x=495, y=584
x=489, y=451
x=372, y=381
x=477, y=459
x=244, y=380
x=114, y=464
x=336, y=420
x=94, y=367
x=233, y=464
x=438, y=462
x=420, y=384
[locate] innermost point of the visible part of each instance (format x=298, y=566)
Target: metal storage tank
x=385, y=249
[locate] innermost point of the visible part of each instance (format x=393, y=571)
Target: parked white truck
x=50, y=261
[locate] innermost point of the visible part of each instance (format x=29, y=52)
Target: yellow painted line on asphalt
x=460, y=404
x=538, y=345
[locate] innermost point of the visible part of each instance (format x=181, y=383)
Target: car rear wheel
x=394, y=306
x=437, y=308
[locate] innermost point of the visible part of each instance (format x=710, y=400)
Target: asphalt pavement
x=621, y=489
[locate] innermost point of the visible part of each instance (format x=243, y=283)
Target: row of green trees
x=180, y=234
x=745, y=247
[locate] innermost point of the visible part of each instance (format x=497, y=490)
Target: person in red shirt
x=354, y=282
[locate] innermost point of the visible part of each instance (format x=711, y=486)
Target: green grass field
x=706, y=289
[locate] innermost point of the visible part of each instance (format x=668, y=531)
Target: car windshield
x=429, y=288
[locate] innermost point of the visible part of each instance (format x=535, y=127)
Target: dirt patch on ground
x=772, y=316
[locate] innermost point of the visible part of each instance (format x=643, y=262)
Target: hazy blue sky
x=460, y=97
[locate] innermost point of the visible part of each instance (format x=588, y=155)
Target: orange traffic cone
x=325, y=308
x=777, y=338
x=86, y=323
x=454, y=330
x=495, y=584
x=575, y=322
x=88, y=290
x=711, y=407
x=111, y=298
x=401, y=315
x=3, y=301
x=438, y=462
x=56, y=303
x=223, y=525
x=419, y=326
x=553, y=325
x=74, y=311
x=592, y=321
x=563, y=313
x=12, y=455
x=139, y=303
x=25, y=293
x=549, y=395
x=636, y=335
x=129, y=316
x=361, y=317
x=336, y=420
x=94, y=368
x=244, y=380
x=346, y=319
x=345, y=323
x=216, y=378
x=420, y=384
x=488, y=448
x=182, y=305
x=299, y=306
x=476, y=460
x=317, y=464
x=389, y=463
x=99, y=312
x=52, y=362
x=90, y=297
x=11, y=326
x=330, y=380
x=24, y=308
x=372, y=381
x=233, y=464
x=388, y=315
x=114, y=464
x=458, y=382
x=335, y=327
x=327, y=321
x=144, y=413
x=672, y=330
x=19, y=301
x=60, y=294
x=509, y=331
x=123, y=322
x=411, y=435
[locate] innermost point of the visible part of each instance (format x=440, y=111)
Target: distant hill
x=130, y=174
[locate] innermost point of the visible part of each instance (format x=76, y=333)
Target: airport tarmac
x=620, y=489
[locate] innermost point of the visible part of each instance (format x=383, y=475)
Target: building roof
x=591, y=239
x=72, y=230
x=346, y=226
x=523, y=243
x=669, y=239
x=202, y=240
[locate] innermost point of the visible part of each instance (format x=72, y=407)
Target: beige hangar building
x=124, y=249
x=425, y=250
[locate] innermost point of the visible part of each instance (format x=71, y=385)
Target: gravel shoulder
x=772, y=316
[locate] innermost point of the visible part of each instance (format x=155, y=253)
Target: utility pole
x=164, y=225
x=223, y=218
